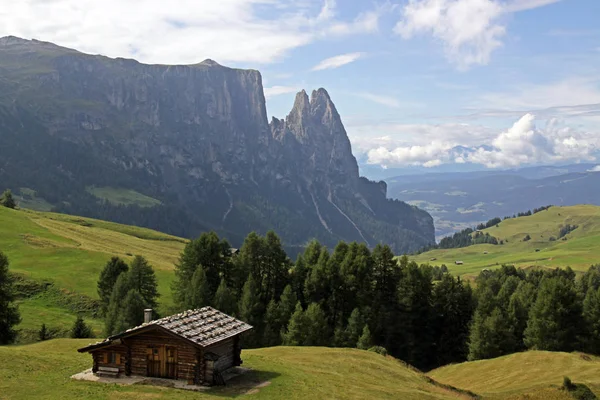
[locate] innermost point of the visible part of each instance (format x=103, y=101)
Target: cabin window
x=112, y=357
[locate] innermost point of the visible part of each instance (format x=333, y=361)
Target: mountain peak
x=211, y=63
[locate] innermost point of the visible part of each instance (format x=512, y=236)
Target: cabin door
x=154, y=362
x=162, y=362
x=171, y=362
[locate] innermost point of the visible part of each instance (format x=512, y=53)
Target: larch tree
x=108, y=277
x=9, y=313
x=142, y=278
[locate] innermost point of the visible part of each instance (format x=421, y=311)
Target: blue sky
x=434, y=83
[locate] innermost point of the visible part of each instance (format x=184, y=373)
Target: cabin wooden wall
x=225, y=350
x=187, y=355
x=102, y=358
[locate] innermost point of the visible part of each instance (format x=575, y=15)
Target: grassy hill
x=579, y=250
x=43, y=371
x=532, y=372
x=60, y=257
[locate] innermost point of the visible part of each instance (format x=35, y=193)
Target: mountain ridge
x=197, y=139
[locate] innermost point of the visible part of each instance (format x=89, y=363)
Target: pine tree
x=365, y=341
x=199, y=291
x=317, y=329
x=491, y=336
x=287, y=304
x=80, y=330
x=591, y=315
x=296, y=329
x=43, y=333
x=142, y=278
x=555, y=318
x=213, y=254
x=272, y=333
x=7, y=199
x=132, y=313
x=518, y=310
x=225, y=300
x=9, y=313
x=113, y=322
x=250, y=310
x=108, y=277
x=354, y=329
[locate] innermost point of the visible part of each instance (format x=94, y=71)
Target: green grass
x=579, y=251
x=518, y=373
x=124, y=197
x=43, y=370
x=71, y=251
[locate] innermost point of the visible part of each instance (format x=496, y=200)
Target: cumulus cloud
x=337, y=61
x=595, y=169
x=279, y=90
x=181, y=31
x=521, y=144
x=470, y=30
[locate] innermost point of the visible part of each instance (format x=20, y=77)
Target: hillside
x=69, y=252
x=294, y=373
x=579, y=250
x=528, y=372
x=185, y=149
x=461, y=200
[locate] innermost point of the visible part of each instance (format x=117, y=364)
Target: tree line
x=352, y=296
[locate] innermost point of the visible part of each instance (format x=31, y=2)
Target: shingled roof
x=202, y=327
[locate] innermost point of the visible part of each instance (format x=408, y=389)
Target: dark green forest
x=355, y=297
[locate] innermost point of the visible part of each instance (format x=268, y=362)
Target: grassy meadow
x=532, y=373
x=123, y=197
x=579, y=250
x=69, y=252
x=43, y=370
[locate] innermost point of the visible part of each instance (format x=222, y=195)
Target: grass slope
x=124, y=197
x=43, y=370
x=536, y=373
x=579, y=251
x=71, y=251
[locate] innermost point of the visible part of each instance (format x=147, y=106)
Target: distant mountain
x=186, y=148
x=457, y=200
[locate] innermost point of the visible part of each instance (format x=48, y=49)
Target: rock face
x=196, y=138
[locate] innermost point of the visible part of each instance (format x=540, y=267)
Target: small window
x=112, y=357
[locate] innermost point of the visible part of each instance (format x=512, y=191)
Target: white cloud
x=595, y=169
x=180, y=31
x=381, y=99
x=522, y=144
x=337, y=61
x=279, y=90
x=470, y=30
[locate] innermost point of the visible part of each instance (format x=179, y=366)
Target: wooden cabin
x=194, y=346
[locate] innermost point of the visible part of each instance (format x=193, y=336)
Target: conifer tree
x=555, y=318
x=354, y=329
x=113, y=322
x=7, y=199
x=43, y=333
x=317, y=333
x=142, y=278
x=224, y=299
x=9, y=313
x=250, y=310
x=80, y=330
x=365, y=341
x=213, y=254
x=491, y=336
x=132, y=313
x=108, y=277
x=198, y=291
x=296, y=329
x=272, y=333
x=591, y=315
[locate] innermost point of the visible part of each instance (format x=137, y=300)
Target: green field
x=43, y=370
x=70, y=252
x=527, y=372
x=124, y=197
x=579, y=251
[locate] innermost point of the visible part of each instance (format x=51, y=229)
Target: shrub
x=527, y=238
x=379, y=350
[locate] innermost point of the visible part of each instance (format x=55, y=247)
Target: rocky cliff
x=194, y=137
